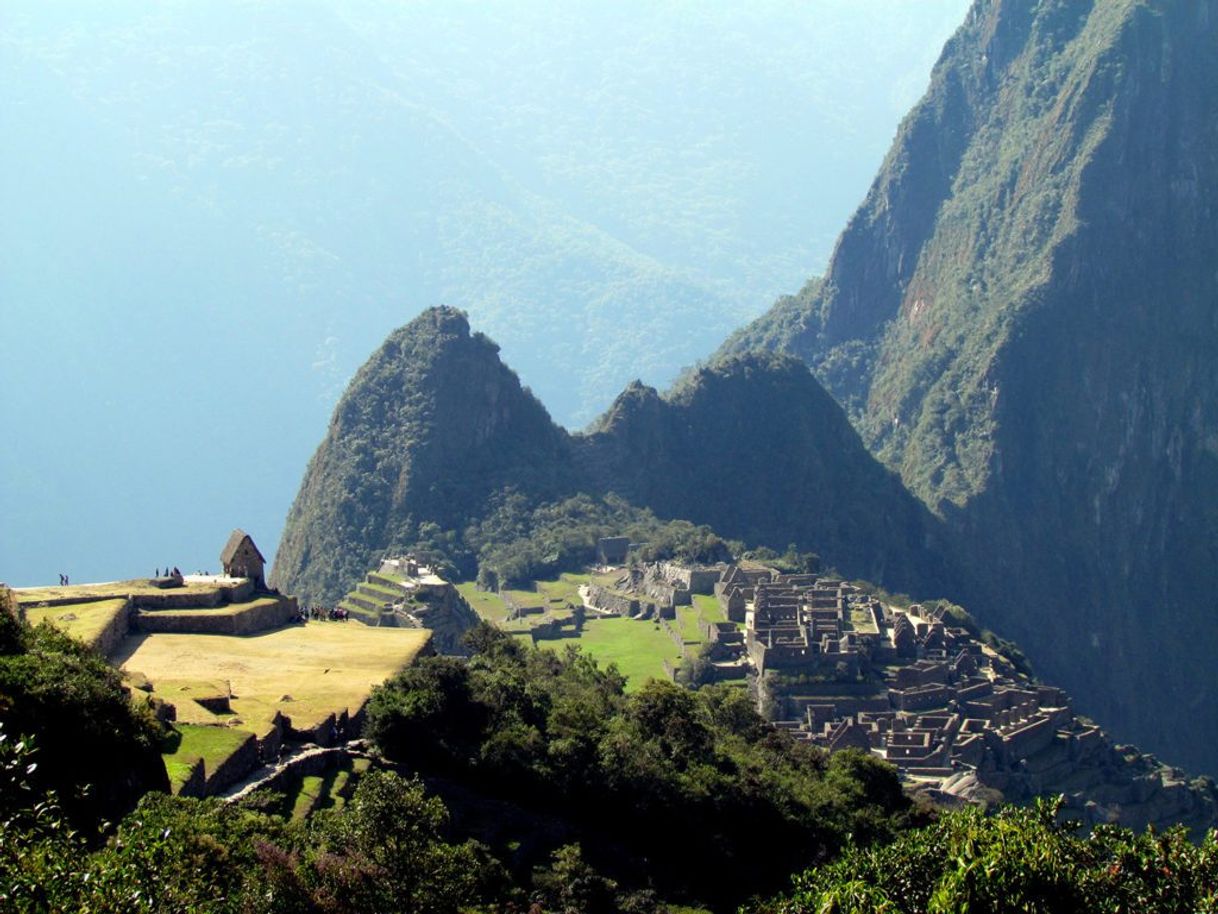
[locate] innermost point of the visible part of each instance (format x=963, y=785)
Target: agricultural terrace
x=305, y=672
x=640, y=648
x=140, y=587
x=83, y=621
x=198, y=745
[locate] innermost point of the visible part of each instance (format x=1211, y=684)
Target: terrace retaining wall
x=244, y=621
x=109, y=638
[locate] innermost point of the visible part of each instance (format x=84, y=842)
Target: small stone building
x=241, y=559
x=612, y=550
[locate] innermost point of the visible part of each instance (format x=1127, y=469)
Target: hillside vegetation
x=1019, y=321
x=98, y=751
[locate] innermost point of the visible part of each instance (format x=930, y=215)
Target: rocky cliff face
x=1022, y=320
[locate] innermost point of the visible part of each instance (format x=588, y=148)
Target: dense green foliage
x=1020, y=860
x=599, y=802
x=384, y=852
x=516, y=544
x=665, y=775
x=99, y=751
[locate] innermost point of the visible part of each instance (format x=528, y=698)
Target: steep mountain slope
x=429, y=428
x=434, y=427
x=1022, y=320
x=755, y=448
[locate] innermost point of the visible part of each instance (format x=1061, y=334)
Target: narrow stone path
x=304, y=760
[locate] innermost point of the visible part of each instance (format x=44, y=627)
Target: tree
x=99, y=751
x=385, y=852
x=571, y=886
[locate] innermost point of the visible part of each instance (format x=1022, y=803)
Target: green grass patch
x=308, y=797
x=381, y=592
x=523, y=598
x=488, y=606
x=638, y=648
x=343, y=782
x=708, y=608
x=689, y=623
x=211, y=745
x=179, y=773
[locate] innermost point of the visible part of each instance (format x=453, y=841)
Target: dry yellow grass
x=27, y=596
x=305, y=672
x=83, y=621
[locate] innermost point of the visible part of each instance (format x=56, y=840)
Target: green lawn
x=709, y=608
x=488, y=606
x=213, y=745
x=638, y=648
x=308, y=798
x=689, y=622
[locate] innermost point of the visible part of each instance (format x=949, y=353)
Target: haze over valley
x=214, y=212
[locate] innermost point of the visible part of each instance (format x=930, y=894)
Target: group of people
x=63, y=580
x=169, y=573
x=321, y=614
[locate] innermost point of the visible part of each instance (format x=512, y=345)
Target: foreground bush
x=665, y=775
x=1020, y=860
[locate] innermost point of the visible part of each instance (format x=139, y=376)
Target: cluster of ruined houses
x=847, y=670
x=944, y=701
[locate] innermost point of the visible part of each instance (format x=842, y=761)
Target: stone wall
x=109, y=638
x=695, y=580
x=288, y=775
x=324, y=733
x=217, y=595
x=233, y=768
x=604, y=599
x=221, y=621
x=195, y=784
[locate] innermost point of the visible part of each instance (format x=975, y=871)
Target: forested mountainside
x=435, y=444
x=428, y=430
x=1022, y=321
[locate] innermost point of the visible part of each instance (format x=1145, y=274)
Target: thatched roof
x=229, y=552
